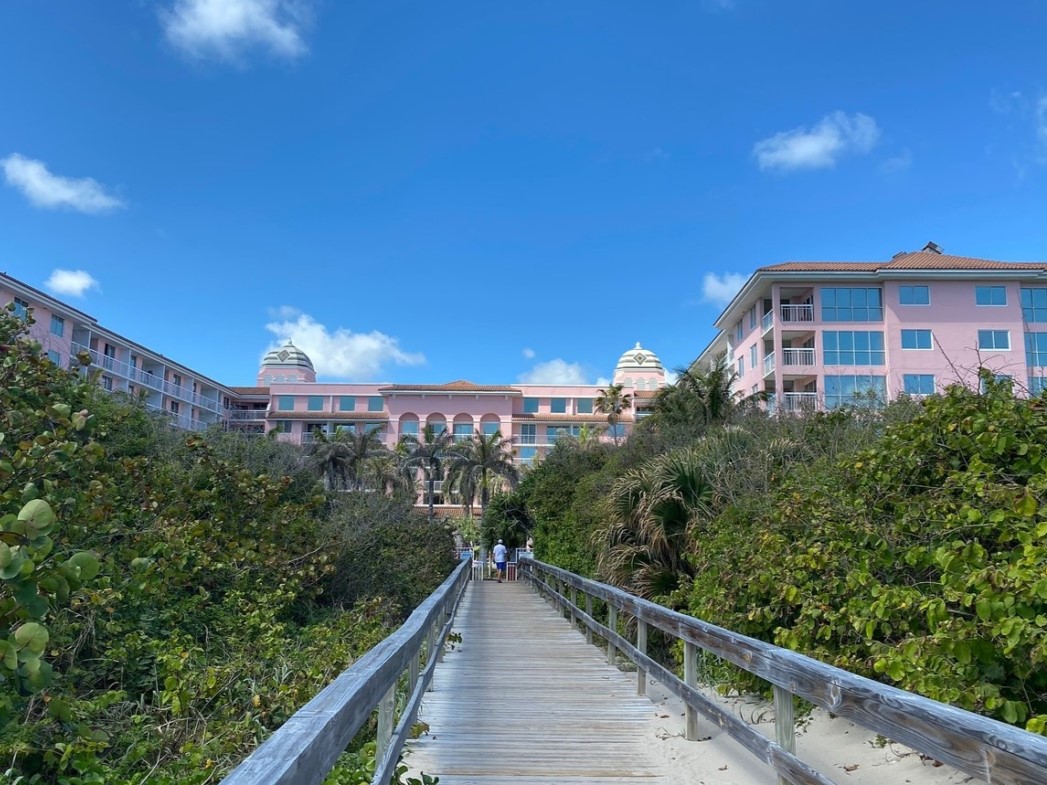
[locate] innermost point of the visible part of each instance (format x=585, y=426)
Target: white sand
x=846, y=753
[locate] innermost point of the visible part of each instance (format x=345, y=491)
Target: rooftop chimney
x=932, y=248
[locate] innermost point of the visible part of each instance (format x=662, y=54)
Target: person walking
x=499, y=559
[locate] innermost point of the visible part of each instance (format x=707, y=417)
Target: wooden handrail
x=978, y=746
x=304, y=749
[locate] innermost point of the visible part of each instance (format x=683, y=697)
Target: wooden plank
x=784, y=723
x=978, y=746
x=523, y=697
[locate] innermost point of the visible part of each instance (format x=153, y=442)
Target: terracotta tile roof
x=919, y=260
x=250, y=390
x=461, y=385
x=362, y=416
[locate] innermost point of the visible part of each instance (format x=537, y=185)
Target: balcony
x=794, y=357
x=769, y=363
x=792, y=314
x=768, y=321
x=241, y=415
x=799, y=402
x=527, y=438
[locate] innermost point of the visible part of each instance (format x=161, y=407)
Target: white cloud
x=554, y=372
x=1041, y=123
x=340, y=353
x=528, y=353
x=72, y=283
x=44, y=189
x=820, y=147
x=225, y=28
x=719, y=288
x=897, y=163
x=602, y=381
x=655, y=154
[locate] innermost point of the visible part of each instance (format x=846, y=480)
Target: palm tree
x=384, y=472
x=363, y=444
x=613, y=402
x=654, y=512
x=330, y=457
x=428, y=454
x=700, y=397
x=477, y=464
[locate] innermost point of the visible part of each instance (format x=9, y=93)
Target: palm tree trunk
x=432, y=484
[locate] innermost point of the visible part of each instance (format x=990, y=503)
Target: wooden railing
x=978, y=746
x=305, y=748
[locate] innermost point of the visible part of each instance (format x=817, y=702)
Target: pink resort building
x=288, y=399
x=817, y=335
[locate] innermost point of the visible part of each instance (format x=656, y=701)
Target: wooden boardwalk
x=525, y=700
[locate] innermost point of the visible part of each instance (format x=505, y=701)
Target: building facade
x=818, y=335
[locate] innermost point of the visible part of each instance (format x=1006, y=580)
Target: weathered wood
x=784, y=723
x=612, y=623
x=690, y=678
x=574, y=605
x=641, y=646
x=304, y=749
x=589, y=613
x=978, y=746
x=386, y=715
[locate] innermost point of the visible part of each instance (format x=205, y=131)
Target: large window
x=1034, y=305
x=752, y=356
x=491, y=428
x=990, y=295
x=554, y=432
x=57, y=325
x=585, y=405
x=1000, y=340
x=463, y=431
x=741, y=366
x=316, y=403
x=527, y=454
x=282, y=426
x=285, y=403
x=1037, y=385
x=530, y=405
x=409, y=428
x=21, y=308
x=528, y=433
x=852, y=304
x=917, y=339
x=846, y=347
x=739, y=332
x=347, y=403
x=375, y=403
x=54, y=356
x=854, y=391
x=918, y=383
x=558, y=406
x=1036, y=350
x=914, y=295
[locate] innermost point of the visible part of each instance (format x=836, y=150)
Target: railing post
x=641, y=645
x=441, y=621
x=784, y=724
x=690, y=678
x=612, y=625
x=589, y=611
x=386, y=710
x=574, y=604
x=429, y=647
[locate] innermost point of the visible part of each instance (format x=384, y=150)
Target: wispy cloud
x=820, y=146
x=528, y=353
x=44, y=189
x=340, y=352
x=554, y=372
x=1040, y=126
x=720, y=288
x=71, y=283
x=655, y=154
x=225, y=29
x=897, y=163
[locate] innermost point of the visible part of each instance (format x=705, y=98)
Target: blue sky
x=491, y=190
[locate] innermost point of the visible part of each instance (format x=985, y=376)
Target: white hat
x=499, y=542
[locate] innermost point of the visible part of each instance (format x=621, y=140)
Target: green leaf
x=31, y=637
x=38, y=517
x=1026, y=506
x=86, y=564
x=8, y=655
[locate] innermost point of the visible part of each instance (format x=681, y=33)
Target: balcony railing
x=799, y=402
x=798, y=356
x=798, y=313
x=768, y=363
x=246, y=414
x=768, y=321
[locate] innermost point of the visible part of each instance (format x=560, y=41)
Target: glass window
x=57, y=325
x=371, y=427
x=528, y=433
x=21, y=308
x=847, y=347
x=527, y=454
x=347, y=403
x=918, y=383
x=554, y=432
x=282, y=426
x=530, y=405
x=409, y=428
x=1036, y=350
x=752, y=318
x=348, y=427
x=438, y=426
x=558, y=406
x=316, y=403
x=852, y=305
x=54, y=356
x=585, y=405
x=994, y=339
x=990, y=295
x=1003, y=378
x=375, y=403
x=914, y=295
x=1034, y=305
x=463, y=431
x=616, y=430
x=285, y=403
x=739, y=331
x=854, y=391
x=752, y=356
x=741, y=366
x=917, y=339
x=1037, y=385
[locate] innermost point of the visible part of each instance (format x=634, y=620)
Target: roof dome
x=639, y=359
x=288, y=356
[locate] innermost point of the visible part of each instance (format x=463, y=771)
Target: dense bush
x=178, y=596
